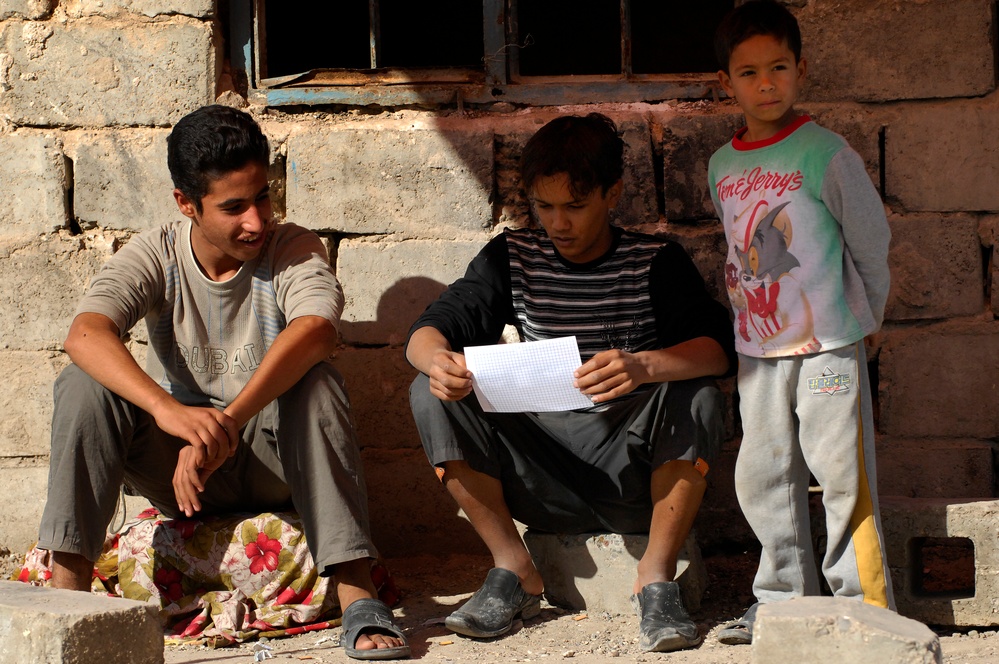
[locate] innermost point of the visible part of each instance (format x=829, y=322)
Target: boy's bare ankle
x=71, y=571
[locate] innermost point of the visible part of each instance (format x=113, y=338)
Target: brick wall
x=88, y=91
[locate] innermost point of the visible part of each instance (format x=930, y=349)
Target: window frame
x=499, y=81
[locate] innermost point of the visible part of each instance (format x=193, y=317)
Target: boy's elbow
x=82, y=332
x=71, y=345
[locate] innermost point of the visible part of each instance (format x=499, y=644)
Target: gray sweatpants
x=811, y=413
x=300, y=451
x=575, y=471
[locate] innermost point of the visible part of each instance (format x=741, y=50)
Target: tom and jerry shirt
x=806, y=269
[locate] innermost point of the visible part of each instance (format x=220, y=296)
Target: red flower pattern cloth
x=218, y=580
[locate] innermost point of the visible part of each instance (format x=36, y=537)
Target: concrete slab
x=34, y=178
x=906, y=57
x=938, y=381
x=44, y=625
x=596, y=571
x=906, y=520
x=412, y=180
x=836, y=629
x=94, y=73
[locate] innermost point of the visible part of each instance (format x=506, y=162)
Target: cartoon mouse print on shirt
x=761, y=281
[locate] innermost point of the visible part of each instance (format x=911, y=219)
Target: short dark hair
x=210, y=142
x=586, y=148
x=757, y=17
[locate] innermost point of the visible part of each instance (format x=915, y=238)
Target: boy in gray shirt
x=239, y=408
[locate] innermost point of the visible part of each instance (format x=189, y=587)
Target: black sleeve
x=684, y=309
x=474, y=309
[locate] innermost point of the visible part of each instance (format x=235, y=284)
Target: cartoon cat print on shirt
x=761, y=283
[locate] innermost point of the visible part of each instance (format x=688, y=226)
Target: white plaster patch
x=35, y=35
x=6, y=62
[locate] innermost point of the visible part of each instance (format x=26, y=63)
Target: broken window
x=479, y=51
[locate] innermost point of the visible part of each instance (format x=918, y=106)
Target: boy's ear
x=186, y=206
x=726, y=82
x=614, y=193
x=802, y=68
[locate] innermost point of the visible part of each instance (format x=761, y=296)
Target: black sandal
x=739, y=632
x=493, y=608
x=665, y=624
x=371, y=616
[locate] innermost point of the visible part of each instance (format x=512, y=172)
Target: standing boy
x=807, y=276
x=240, y=408
x=649, y=335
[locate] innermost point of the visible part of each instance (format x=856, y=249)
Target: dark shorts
x=575, y=471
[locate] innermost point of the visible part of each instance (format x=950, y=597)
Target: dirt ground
x=433, y=587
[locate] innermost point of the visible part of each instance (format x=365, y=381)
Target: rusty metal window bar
x=537, y=52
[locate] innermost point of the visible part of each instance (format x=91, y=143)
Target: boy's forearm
x=94, y=345
x=306, y=341
x=423, y=344
x=694, y=358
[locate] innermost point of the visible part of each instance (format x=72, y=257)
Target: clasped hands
x=212, y=437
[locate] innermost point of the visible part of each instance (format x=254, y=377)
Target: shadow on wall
x=411, y=513
x=398, y=308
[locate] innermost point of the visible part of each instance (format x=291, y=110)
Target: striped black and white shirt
x=644, y=294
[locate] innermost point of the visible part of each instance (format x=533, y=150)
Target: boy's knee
x=319, y=384
x=421, y=401
x=76, y=384
x=707, y=414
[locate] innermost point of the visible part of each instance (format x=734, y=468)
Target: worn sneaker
x=665, y=624
x=493, y=608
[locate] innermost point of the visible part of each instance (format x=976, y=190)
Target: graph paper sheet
x=531, y=376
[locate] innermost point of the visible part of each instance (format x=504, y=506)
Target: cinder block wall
x=89, y=90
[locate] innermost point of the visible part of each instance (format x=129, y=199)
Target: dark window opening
x=600, y=37
x=399, y=52
x=330, y=35
x=944, y=567
x=675, y=37
x=443, y=33
x=563, y=37
x=339, y=35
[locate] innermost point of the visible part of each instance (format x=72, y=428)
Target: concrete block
x=98, y=72
x=837, y=630
x=905, y=520
x=688, y=141
x=989, y=230
x=24, y=499
x=938, y=155
x=115, y=8
x=935, y=468
x=35, y=180
x=930, y=250
x=387, y=285
x=637, y=206
x=596, y=571
x=29, y=9
x=71, y=627
x=412, y=179
x=940, y=381
x=638, y=203
x=994, y=279
x=26, y=401
x=43, y=280
x=411, y=513
x=880, y=51
x=706, y=246
x=121, y=180
x=513, y=208
x=378, y=384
